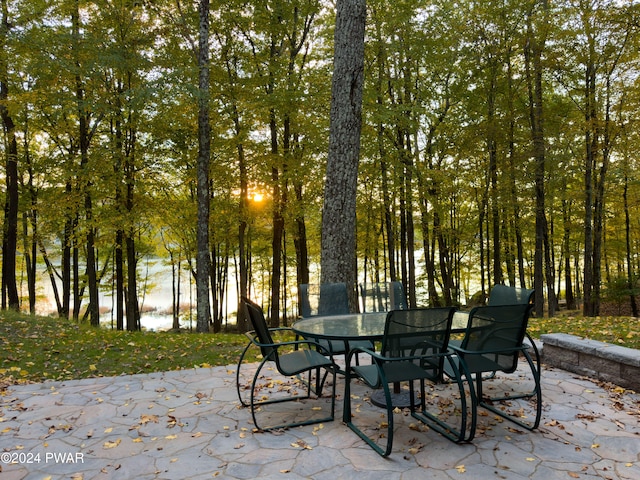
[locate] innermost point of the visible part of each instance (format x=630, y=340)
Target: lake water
x=155, y=304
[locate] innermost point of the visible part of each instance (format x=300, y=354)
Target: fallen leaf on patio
x=137, y=440
x=416, y=448
x=113, y=444
x=316, y=408
x=196, y=435
x=461, y=469
x=595, y=445
x=108, y=430
x=586, y=416
x=530, y=459
x=301, y=444
x=285, y=471
x=238, y=446
x=171, y=437
x=144, y=419
x=574, y=475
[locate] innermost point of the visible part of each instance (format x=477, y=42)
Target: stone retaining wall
x=604, y=361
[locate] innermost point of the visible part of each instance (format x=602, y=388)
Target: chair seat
x=338, y=347
x=393, y=371
x=302, y=360
x=475, y=364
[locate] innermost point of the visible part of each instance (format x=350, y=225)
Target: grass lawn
x=34, y=349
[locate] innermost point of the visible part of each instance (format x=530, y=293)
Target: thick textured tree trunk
x=338, y=257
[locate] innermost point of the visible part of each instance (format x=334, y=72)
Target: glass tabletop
x=351, y=326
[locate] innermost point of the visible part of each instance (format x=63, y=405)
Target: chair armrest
x=499, y=351
x=406, y=358
x=253, y=338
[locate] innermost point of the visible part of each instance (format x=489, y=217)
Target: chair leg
x=255, y=406
x=348, y=419
x=240, y=361
x=537, y=393
x=466, y=431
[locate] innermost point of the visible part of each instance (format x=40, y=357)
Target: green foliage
x=618, y=290
x=35, y=349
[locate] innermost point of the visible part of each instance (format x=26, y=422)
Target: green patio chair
x=493, y=342
x=414, y=348
x=505, y=295
x=291, y=359
x=382, y=297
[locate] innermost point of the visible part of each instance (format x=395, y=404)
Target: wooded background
x=499, y=145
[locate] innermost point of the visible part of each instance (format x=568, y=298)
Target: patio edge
x=604, y=361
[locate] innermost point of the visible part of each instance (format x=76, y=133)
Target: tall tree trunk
x=568, y=278
x=631, y=277
x=533, y=66
x=66, y=255
x=119, y=201
x=492, y=148
x=10, y=295
x=591, y=302
x=338, y=255
x=30, y=219
x=204, y=152
x=84, y=136
x=133, y=308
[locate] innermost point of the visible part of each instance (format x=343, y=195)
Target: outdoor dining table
x=348, y=328
x=361, y=326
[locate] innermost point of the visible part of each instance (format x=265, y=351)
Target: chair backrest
x=382, y=297
x=323, y=299
x=417, y=331
x=495, y=328
x=397, y=297
x=256, y=317
x=504, y=295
